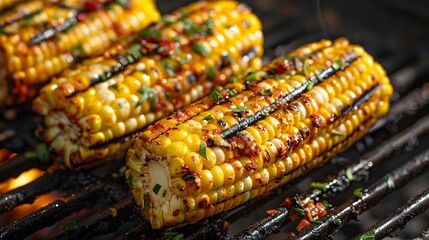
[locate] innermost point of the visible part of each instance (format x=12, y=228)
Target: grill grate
x=99, y=205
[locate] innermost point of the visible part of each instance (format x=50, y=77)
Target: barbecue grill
x=390, y=164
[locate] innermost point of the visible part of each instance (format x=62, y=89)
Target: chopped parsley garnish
x=69, y=226
x=203, y=150
x=310, y=86
x=115, y=87
x=337, y=64
x=240, y=109
x=147, y=94
x=349, y=174
x=169, y=68
x=367, y=236
x=156, y=188
x=135, y=49
x=208, y=117
x=216, y=95
x=233, y=79
x=79, y=48
x=266, y=92
x=299, y=210
x=320, y=186
x=201, y=49
x=164, y=193
x=168, y=20
x=231, y=92
x=337, y=133
x=167, y=95
x=252, y=76
x=145, y=201
x=211, y=72
x=130, y=180
x=3, y=32
x=326, y=204
x=177, y=39
x=170, y=235
x=150, y=32
x=358, y=192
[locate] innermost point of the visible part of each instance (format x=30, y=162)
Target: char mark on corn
x=93, y=109
x=257, y=133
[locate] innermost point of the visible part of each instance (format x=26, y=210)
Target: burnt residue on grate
x=97, y=203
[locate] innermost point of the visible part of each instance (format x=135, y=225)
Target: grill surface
x=391, y=163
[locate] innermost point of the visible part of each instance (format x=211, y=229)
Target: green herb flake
x=349, y=174
x=316, y=221
x=29, y=20
x=358, y=192
x=168, y=20
x=266, y=92
x=123, y=3
x=177, y=39
x=203, y=150
x=211, y=72
x=231, y=92
x=367, y=236
x=300, y=211
x=304, y=67
x=164, y=193
x=310, y=86
x=150, y=32
x=130, y=180
x=216, y=95
x=80, y=48
x=3, y=32
x=145, y=201
x=42, y=152
x=201, y=49
x=156, y=188
x=167, y=95
x=116, y=88
x=320, y=186
x=252, y=76
x=147, y=94
x=337, y=133
x=208, y=117
x=135, y=49
x=170, y=235
x=326, y=204
x=337, y=64
x=69, y=226
x=240, y=109
x=233, y=79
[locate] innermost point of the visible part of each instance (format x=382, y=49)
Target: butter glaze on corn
x=39, y=39
x=185, y=167
x=91, y=109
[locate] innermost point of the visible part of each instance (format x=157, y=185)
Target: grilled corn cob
x=248, y=137
x=90, y=110
x=39, y=39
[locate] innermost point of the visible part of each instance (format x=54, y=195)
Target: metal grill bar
x=341, y=182
x=57, y=210
x=371, y=196
x=58, y=180
x=401, y=216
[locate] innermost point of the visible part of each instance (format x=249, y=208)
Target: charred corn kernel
x=141, y=79
x=306, y=117
x=42, y=38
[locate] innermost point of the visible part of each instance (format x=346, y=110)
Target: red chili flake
x=272, y=211
x=92, y=5
x=81, y=17
x=304, y=223
x=281, y=67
